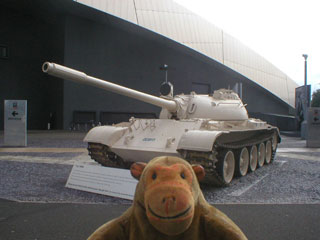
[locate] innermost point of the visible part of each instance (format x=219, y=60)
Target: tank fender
x=107, y=135
x=198, y=140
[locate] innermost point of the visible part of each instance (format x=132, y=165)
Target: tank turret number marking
x=148, y=139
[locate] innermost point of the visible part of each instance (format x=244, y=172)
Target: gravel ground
x=287, y=180
x=40, y=182
x=284, y=181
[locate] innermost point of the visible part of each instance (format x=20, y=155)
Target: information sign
x=113, y=182
x=15, y=123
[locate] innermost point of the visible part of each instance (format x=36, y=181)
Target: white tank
x=212, y=130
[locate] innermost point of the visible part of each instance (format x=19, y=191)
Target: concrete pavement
x=52, y=221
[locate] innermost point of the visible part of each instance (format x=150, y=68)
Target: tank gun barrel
x=80, y=77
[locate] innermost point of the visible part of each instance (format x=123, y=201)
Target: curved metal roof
x=170, y=19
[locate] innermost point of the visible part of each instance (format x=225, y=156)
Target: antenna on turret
x=166, y=88
x=165, y=68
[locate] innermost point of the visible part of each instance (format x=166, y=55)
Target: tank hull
x=212, y=130
x=199, y=141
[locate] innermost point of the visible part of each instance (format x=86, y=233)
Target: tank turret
x=212, y=130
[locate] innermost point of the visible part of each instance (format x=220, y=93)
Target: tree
x=315, y=99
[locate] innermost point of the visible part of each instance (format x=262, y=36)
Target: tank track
x=210, y=165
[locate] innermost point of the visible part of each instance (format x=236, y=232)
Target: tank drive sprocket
x=102, y=155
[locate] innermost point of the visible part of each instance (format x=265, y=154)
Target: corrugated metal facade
x=175, y=22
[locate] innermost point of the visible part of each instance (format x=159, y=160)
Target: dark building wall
x=126, y=58
x=259, y=101
x=108, y=48
x=131, y=56
x=30, y=41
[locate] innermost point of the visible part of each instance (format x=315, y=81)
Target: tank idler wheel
x=261, y=154
x=253, y=158
x=274, y=142
x=268, y=152
x=226, y=166
x=242, y=162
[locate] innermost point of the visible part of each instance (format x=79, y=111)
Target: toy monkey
x=168, y=204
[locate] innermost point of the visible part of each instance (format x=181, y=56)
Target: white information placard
x=15, y=123
x=313, y=126
x=113, y=182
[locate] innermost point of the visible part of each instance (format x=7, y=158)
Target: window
x=201, y=88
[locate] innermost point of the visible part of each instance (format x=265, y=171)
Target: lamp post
x=305, y=68
x=304, y=130
x=307, y=99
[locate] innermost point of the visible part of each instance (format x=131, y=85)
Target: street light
x=306, y=101
x=307, y=98
x=305, y=68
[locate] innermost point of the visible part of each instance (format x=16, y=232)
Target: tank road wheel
x=242, y=162
x=253, y=158
x=226, y=166
x=268, y=152
x=261, y=154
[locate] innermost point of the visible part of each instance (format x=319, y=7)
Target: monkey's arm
x=219, y=226
x=113, y=230
x=116, y=229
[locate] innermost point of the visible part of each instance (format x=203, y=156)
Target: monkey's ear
x=199, y=171
x=136, y=169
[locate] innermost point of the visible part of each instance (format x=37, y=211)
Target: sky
x=279, y=30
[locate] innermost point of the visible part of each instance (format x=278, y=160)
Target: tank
x=212, y=130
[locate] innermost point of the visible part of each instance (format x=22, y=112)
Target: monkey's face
x=169, y=199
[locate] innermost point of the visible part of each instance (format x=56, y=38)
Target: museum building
x=126, y=42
